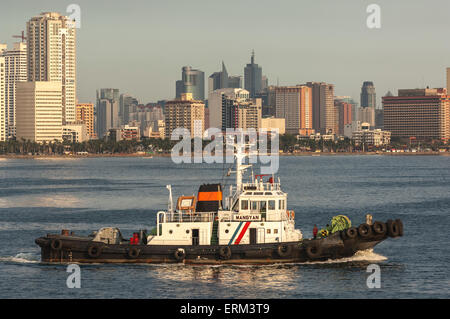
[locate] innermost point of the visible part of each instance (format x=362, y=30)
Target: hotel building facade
x=39, y=111
x=294, y=104
x=418, y=113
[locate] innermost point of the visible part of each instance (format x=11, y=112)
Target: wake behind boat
x=250, y=226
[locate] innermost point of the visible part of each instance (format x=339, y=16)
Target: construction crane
x=23, y=37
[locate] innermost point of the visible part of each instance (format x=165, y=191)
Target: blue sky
x=140, y=46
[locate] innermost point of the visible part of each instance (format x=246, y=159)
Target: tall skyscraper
x=107, y=111
x=187, y=113
x=324, y=112
x=368, y=95
x=218, y=80
x=3, y=111
x=253, y=77
x=15, y=71
x=39, y=111
x=51, y=45
x=448, y=80
x=419, y=113
x=294, y=104
x=192, y=81
x=127, y=105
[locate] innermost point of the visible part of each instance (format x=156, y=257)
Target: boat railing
x=185, y=217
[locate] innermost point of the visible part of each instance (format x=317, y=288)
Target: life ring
x=379, y=228
x=393, y=228
x=351, y=232
x=225, y=252
x=180, y=254
x=134, y=252
x=56, y=244
x=400, y=226
x=94, y=251
x=313, y=250
x=284, y=250
x=364, y=230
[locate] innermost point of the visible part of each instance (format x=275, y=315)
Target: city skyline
x=389, y=57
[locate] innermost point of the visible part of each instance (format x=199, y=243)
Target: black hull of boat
x=72, y=249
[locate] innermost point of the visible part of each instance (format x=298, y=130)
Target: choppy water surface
x=43, y=196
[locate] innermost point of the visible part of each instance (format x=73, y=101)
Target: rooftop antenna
x=22, y=36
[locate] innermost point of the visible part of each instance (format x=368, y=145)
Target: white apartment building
x=39, y=111
x=375, y=137
x=3, y=128
x=51, y=56
x=15, y=71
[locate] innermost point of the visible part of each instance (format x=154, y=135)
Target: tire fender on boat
x=313, y=250
x=364, y=230
x=56, y=244
x=351, y=233
x=225, y=252
x=284, y=250
x=393, y=228
x=94, y=251
x=379, y=228
x=134, y=252
x=180, y=254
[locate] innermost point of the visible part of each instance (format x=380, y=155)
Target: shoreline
x=312, y=154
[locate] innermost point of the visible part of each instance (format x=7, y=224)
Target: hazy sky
x=140, y=46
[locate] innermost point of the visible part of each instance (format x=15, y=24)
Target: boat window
x=268, y=230
x=244, y=204
x=263, y=206
x=268, y=193
x=275, y=231
x=258, y=193
x=248, y=193
x=254, y=205
x=281, y=204
x=271, y=205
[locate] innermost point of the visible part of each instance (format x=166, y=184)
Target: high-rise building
x=448, y=80
x=85, y=114
x=216, y=101
x=192, y=81
x=51, y=45
x=235, y=81
x=240, y=114
x=253, y=77
x=294, y=104
x=127, y=105
x=187, y=113
x=221, y=80
x=39, y=111
x=368, y=95
x=3, y=111
x=107, y=111
x=324, y=112
x=15, y=71
x=345, y=114
x=218, y=80
x=418, y=113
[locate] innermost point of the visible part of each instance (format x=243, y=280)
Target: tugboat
x=250, y=226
